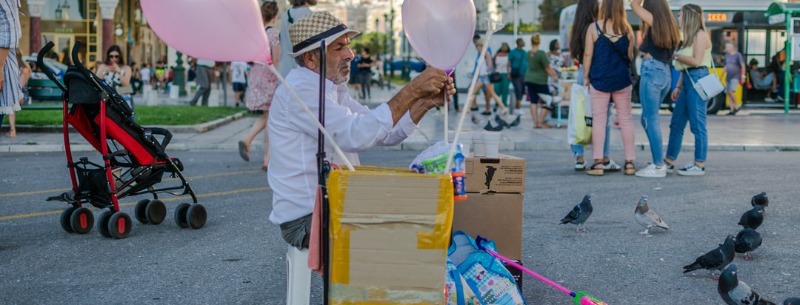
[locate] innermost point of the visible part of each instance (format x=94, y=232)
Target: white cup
x=466, y=142
x=478, y=144
x=492, y=143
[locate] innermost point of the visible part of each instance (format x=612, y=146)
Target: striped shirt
x=10, y=32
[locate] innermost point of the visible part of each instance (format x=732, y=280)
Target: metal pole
x=322, y=171
x=516, y=18
x=787, y=67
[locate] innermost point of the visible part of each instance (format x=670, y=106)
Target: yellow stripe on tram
x=54, y=212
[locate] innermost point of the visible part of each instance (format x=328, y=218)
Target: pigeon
x=746, y=241
x=792, y=301
x=736, y=292
x=489, y=127
x=500, y=121
x=715, y=259
x=515, y=122
x=647, y=217
x=579, y=214
x=753, y=218
x=760, y=200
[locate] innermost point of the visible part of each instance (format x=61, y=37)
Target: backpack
x=484, y=273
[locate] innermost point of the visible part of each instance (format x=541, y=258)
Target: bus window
x=778, y=41
x=757, y=46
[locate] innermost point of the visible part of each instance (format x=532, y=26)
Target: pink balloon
x=220, y=30
x=439, y=30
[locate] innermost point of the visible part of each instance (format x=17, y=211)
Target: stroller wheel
x=140, y=211
x=180, y=215
x=119, y=225
x=102, y=226
x=82, y=220
x=156, y=211
x=65, y=219
x=196, y=215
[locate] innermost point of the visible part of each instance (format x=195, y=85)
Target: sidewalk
x=751, y=129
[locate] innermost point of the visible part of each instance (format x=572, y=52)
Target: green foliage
x=145, y=115
x=373, y=41
x=523, y=27
x=550, y=13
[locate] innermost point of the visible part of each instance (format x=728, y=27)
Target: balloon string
x=446, y=112
x=470, y=92
x=313, y=117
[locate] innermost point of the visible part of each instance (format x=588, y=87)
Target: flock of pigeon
x=730, y=288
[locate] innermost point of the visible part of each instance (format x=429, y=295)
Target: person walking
x=503, y=67
x=203, y=69
x=692, y=59
x=586, y=14
x=536, y=82
x=518, y=63
x=557, y=61
x=299, y=9
x=25, y=75
x=10, y=33
x=659, y=41
x=261, y=89
x=117, y=74
x=238, y=80
x=607, y=58
x=484, y=66
x=293, y=138
x=735, y=70
x=365, y=73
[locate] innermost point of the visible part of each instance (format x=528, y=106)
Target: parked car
x=416, y=65
x=39, y=86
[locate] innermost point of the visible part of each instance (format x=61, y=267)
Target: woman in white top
x=502, y=67
x=693, y=60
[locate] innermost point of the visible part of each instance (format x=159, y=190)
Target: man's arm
x=429, y=83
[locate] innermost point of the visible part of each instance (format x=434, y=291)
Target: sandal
x=630, y=170
x=596, y=169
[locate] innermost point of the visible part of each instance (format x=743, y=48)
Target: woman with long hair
x=261, y=87
x=693, y=59
x=607, y=60
x=536, y=82
x=504, y=68
x=660, y=37
x=485, y=67
x=586, y=14
x=117, y=74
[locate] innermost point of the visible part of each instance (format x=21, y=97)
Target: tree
x=372, y=40
x=550, y=13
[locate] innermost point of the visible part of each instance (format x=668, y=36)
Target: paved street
x=237, y=258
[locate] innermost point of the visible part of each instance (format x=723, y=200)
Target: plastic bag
x=578, y=132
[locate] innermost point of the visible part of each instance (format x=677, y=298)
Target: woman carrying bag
x=693, y=60
x=659, y=41
x=607, y=61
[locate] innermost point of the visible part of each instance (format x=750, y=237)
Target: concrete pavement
x=751, y=129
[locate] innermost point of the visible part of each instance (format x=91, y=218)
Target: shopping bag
x=578, y=131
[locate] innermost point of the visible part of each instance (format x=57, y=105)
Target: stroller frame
x=123, y=172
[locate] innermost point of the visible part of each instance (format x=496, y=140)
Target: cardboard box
x=505, y=174
x=496, y=216
x=390, y=230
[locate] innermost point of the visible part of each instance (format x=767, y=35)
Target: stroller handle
x=45, y=69
x=81, y=68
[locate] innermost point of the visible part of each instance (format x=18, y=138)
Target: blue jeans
x=577, y=149
x=689, y=107
x=653, y=88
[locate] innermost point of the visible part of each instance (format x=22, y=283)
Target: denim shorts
x=732, y=85
x=484, y=79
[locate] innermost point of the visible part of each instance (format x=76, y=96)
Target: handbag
x=495, y=77
x=708, y=86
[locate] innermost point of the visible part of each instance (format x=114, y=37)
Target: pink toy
x=580, y=297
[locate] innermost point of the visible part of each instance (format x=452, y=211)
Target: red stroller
x=134, y=160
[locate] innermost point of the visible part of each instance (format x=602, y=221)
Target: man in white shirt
x=203, y=80
x=299, y=9
x=144, y=74
x=239, y=80
x=293, y=135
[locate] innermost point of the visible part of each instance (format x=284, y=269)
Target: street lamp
x=391, y=40
x=385, y=43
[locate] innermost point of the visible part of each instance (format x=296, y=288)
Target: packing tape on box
x=384, y=221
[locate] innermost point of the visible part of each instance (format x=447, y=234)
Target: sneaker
x=692, y=169
x=611, y=166
x=670, y=167
x=652, y=171
x=769, y=100
x=580, y=166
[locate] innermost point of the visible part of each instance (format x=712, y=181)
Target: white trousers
x=298, y=277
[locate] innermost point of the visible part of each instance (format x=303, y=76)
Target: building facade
x=98, y=24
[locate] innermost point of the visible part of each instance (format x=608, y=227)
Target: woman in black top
x=365, y=72
x=660, y=38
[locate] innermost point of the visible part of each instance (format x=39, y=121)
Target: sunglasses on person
x=113, y=55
